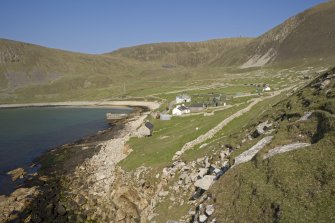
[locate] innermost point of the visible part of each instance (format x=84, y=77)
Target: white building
x=266, y=88
x=183, y=98
x=180, y=110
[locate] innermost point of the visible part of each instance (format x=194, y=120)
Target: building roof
x=197, y=105
x=149, y=125
x=184, y=96
x=182, y=108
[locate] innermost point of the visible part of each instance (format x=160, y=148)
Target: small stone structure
x=146, y=129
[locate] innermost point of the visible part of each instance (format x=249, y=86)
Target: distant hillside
x=30, y=73
x=34, y=73
x=306, y=37
x=188, y=54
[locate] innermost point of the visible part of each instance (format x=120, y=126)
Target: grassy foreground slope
x=296, y=186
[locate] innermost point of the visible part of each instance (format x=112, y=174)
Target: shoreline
x=36, y=187
x=89, y=104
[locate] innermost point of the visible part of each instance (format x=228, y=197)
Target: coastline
x=93, y=104
x=36, y=187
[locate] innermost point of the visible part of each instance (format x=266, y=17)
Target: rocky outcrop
x=17, y=173
x=12, y=205
x=285, y=148
x=98, y=190
x=249, y=154
x=205, y=182
x=262, y=128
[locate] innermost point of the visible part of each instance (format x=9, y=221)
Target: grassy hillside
x=296, y=186
x=188, y=54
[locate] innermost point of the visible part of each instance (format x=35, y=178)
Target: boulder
x=209, y=210
x=187, y=180
x=17, y=173
x=202, y=172
x=183, y=176
x=205, y=182
x=261, y=128
x=120, y=215
x=202, y=218
x=61, y=209
x=163, y=193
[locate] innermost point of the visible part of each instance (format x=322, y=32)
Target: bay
x=26, y=133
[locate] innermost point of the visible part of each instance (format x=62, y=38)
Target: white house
x=180, y=110
x=183, y=98
x=266, y=88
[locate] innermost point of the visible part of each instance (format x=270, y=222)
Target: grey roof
x=149, y=125
x=197, y=105
x=182, y=108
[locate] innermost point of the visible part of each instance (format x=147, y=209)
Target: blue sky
x=99, y=26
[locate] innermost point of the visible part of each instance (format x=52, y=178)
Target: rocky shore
x=83, y=165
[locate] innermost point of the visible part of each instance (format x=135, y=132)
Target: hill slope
x=296, y=186
x=306, y=37
x=188, y=54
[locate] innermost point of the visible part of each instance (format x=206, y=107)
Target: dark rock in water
x=61, y=209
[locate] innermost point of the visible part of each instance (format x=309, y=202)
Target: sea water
x=26, y=133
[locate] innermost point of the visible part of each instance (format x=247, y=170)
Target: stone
x=163, y=193
x=250, y=153
x=202, y=218
x=200, y=160
x=183, y=176
x=209, y=210
x=324, y=83
x=61, y=209
x=17, y=173
x=202, y=172
x=261, y=128
x=285, y=148
x=185, y=168
x=207, y=163
x=120, y=215
x=205, y=182
x=179, y=153
x=191, y=212
x=100, y=176
x=194, y=177
x=187, y=180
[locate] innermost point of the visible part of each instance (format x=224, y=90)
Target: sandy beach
x=149, y=104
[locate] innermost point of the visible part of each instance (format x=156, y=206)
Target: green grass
x=236, y=126
x=169, y=137
x=296, y=186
